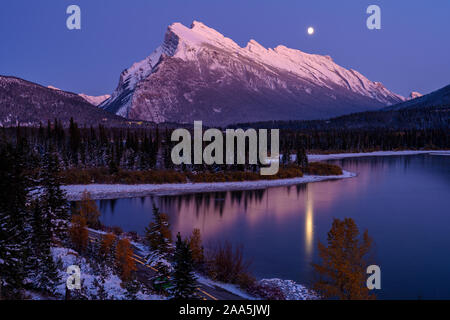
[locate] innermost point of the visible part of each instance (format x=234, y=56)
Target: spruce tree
x=14, y=222
x=45, y=272
x=159, y=237
x=74, y=140
x=48, y=278
x=302, y=158
x=183, y=275
x=54, y=203
x=158, y=233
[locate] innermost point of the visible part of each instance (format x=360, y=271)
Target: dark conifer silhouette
x=183, y=274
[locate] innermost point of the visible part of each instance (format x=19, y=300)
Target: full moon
x=310, y=30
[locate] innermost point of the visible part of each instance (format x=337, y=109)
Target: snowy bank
x=232, y=288
x=65, y=257
x=321, y=157
x=290, y=289
x=113, y=191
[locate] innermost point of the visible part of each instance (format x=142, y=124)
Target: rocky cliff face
x=198, y=74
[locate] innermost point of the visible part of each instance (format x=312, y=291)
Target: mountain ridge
x=430, y=111
x=27, y=103
x=439, y=97
x=94, y=100
x=199, y=74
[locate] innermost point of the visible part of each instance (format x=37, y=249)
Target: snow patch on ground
x=290, y=289
x=232, y=288
x=65, y=257
x=113, y=191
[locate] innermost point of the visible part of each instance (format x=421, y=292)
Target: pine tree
x=45, y=271
x=112, y=164
x=183, y=275
x=75, y=140
x=48, y=278
x=160, y=241
x=14, y=222
x=342, y=272
x=302, y=158
x=286, y=155
x=54, y=207
x=161, y=281
x=158, y=233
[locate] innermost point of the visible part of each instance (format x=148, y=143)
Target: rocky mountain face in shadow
x=28, y=104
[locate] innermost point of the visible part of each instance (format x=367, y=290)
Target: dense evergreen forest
x=361, y=140
x=390, y=118
x=102, y=154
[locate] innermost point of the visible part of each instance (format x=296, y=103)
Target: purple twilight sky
x=410, y=53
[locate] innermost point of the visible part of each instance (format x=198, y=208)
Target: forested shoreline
x=138, y=155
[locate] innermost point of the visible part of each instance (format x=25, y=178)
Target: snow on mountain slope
x=199, y=74
x=95, y=100
x=436, y=99
x=414, y=94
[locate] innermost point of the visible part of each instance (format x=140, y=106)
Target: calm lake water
x=403, y=201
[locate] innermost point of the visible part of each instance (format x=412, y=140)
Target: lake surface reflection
x=403, y=201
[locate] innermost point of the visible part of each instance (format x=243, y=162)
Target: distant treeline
x=328, y=141
x=423, y=118
x=150, y=148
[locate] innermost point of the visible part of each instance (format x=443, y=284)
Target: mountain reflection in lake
x=402, y=200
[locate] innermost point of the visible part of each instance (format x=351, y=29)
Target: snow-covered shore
x=114, y=191
x=322, y=157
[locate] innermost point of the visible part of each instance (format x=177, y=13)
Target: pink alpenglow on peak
x=197, y=70
x=95, y=100
x=414, y=94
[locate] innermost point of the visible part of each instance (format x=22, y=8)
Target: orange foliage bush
x=124, y=261
x=107, y=244
x=79, y=233
x=324, y=169
x=102, y=175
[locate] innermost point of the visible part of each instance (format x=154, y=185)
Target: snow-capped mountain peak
x=316, y=68
x=214, y=63
x=200, y=34
x=414, y=94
